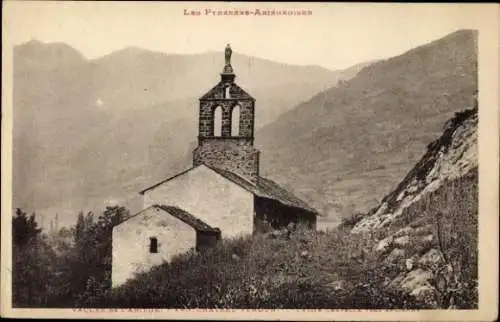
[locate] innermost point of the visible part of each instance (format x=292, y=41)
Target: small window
x=235, y=121
x=153, y=245
x=217, y=121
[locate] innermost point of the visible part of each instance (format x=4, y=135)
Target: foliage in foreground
x=333, y=269
x=302, y=269
x=57, y=268
x=452, y=213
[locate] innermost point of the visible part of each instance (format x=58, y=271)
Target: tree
x=112, y=216
x=24, y=229
x=72, y=275
x=95, y=251
x=30, y=262
x=79, y=229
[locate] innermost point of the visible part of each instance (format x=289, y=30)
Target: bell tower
x=226, y=127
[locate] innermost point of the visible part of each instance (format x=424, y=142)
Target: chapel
x=222, y=194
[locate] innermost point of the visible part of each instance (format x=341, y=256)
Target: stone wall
x=233, y=154
x=246, y=120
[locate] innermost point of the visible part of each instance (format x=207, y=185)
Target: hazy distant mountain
x=89, y=130
x=346, y=147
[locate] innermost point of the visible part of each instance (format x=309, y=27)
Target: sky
x=334, y=35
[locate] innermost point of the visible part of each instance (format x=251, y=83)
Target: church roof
x=262, y=187
x=218, y=92
x=188, y=218
x=183, y=216
x=266, y=188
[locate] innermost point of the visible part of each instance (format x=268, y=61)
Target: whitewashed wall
x=131, y=241
x=210, y=197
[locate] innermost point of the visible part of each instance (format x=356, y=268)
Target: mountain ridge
x=140, y=50
x=316, y=148
x=105, y=126
x=395, y=107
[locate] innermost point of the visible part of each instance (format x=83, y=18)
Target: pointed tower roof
x=227, y=81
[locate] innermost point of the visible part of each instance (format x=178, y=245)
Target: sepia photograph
x=168, y=159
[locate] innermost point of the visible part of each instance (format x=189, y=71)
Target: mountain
x=430, y=220
x=53, y=111
x=86, y=131
x=423, y=257
x=343, y=149
x=448, y=158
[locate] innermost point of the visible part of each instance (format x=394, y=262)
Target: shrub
x=351, y=220
x=294, y=270
x=297, y=268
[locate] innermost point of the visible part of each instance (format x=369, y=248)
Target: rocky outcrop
x=408, y=236
x=450, y=157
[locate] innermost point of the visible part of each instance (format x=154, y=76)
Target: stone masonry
x=207, y=113
x=232, y=154
x=229, y=151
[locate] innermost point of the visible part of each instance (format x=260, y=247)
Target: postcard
x=229, y=160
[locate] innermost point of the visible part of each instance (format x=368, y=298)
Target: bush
x=295, y=269
x=351, y=220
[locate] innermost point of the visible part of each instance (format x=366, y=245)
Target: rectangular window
x=153, y=245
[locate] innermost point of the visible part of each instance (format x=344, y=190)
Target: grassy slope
x=332, y=269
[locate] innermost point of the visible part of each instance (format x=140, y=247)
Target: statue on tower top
x=227, y=71
x=228, y=53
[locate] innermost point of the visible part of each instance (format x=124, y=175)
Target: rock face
x=450, y=157
x=410, y=237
